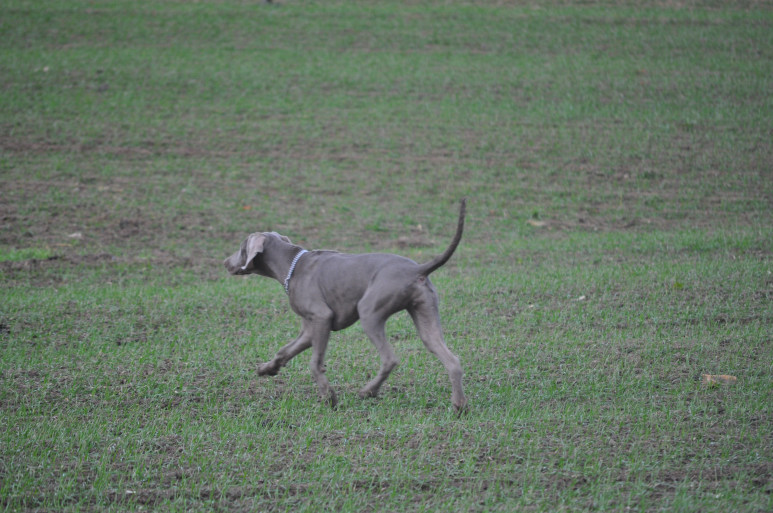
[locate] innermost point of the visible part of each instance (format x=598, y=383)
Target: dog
x=330, y=291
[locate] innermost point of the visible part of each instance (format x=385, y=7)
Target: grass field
x=617, y=158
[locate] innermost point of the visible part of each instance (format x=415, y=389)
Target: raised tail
x=427, y=268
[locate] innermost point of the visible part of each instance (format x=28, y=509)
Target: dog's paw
x=330, y=398
x=461, y=406
x=366, y=392
x=268, y=369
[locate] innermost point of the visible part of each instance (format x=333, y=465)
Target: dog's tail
x=427, y=268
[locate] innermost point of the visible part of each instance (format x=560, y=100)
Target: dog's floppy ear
x=253, y=246
x=286, y=239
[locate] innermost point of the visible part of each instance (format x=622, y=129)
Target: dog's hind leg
x=425, y=315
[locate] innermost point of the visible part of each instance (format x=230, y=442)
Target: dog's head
x=248, y=260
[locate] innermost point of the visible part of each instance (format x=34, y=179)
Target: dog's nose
x=230, y=267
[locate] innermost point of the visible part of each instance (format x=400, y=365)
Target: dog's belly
x=344, y=316
x=340, y=323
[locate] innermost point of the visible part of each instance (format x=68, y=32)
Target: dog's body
x=330, y=291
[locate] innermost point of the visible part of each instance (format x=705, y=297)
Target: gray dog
x=330, y=291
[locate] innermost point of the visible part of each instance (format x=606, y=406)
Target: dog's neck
x=277, y=259
x=292, y=268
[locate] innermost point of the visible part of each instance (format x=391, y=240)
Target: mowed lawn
x=617, y=160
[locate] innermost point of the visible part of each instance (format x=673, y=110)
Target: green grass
x=21, y=255
x=616, y=157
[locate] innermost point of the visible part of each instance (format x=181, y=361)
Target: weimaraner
x=330, y=291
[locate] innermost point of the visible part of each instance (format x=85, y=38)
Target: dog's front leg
x=287, y=353
x=319, y=339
